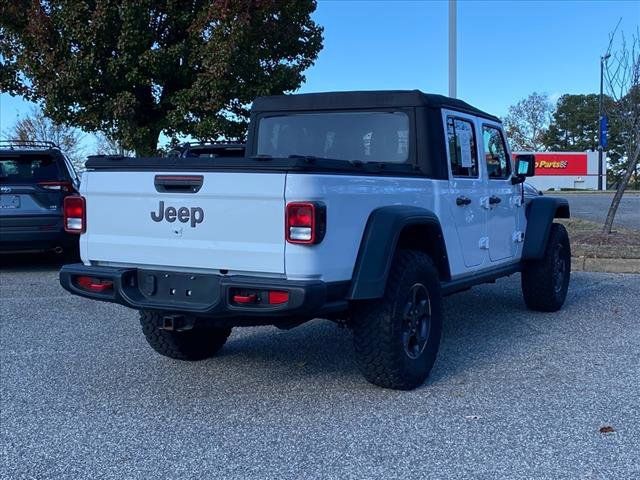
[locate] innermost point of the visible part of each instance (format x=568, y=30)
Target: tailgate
x=231, y=221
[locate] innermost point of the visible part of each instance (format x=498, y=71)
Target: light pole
x=453, y=49
x=603, y=59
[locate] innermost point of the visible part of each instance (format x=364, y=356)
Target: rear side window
x=359, y=136
x=29, y=169
x=463, y=154
x=495, y=152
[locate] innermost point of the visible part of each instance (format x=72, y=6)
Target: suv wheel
x=545, y=282
x=397, y=337
x=197, y=343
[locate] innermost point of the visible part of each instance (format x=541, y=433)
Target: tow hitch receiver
x=177, y=323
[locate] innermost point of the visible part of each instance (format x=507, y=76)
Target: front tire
x=397, y=337
x=197, y=343
x=545, y=282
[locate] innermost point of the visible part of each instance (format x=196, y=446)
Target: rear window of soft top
x=364, y=136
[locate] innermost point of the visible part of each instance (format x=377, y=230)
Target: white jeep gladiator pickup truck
x=364, y=208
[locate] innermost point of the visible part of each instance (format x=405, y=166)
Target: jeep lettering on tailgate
x=182, y=214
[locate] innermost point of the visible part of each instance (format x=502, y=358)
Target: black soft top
x=363, y=100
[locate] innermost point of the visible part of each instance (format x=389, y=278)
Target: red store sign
x=572, y=164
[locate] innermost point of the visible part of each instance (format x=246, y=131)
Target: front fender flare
x=540, y=214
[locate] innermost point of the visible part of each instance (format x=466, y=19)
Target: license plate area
x=178, y=288
x=9, y=201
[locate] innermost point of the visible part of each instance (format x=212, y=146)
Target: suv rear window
x=29, y=169
x=359, y=136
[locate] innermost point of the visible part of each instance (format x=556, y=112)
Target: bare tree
x=622, y=77
x=106, y=145
x=35, y=126
x=527, y=121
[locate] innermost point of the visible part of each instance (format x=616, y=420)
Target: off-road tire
x=379, y=325
x=195, y=344
x=545, y=281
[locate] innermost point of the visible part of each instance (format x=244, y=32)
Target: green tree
x=574, y=128
x=574, y=124
x=136, y=68
x=619, y=145
x=527, y=122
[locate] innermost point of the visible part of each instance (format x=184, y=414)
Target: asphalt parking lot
x=514, y=394
x=595, y=207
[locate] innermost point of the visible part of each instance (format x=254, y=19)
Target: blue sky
x=506, y=49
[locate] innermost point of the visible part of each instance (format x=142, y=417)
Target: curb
x=588, y=192
x=606, y=265
x=628, y=252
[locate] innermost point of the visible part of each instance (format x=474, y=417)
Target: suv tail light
x=305, y=222
x=61, y=186
x=75, y=214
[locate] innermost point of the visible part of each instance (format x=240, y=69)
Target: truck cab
x=361, y=207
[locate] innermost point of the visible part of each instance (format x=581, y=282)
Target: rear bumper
x=34, y=233
x=209, y=295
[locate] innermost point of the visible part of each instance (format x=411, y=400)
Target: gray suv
x=35, y=177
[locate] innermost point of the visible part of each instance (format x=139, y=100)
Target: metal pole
x=453, y=49
x=600, y=127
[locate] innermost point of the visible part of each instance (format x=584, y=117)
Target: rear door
x=226, y=221
x=466, y=186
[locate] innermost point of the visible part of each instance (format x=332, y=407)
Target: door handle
x=178, y=183
x=462, y=200
x=493, y=200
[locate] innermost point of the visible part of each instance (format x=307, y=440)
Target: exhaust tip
x=58, y=250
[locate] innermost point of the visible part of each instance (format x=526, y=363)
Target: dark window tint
x=462, y=148
x=361, y=136
x=29, y=169
x=495, y=153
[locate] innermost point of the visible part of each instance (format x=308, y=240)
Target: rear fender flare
x=380, y=241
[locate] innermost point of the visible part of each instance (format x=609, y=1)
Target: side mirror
x=525, y=167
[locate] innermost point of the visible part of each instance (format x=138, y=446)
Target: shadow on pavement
x=37, y=261
x=317, y=348
x=486, y=325
x=472, y=336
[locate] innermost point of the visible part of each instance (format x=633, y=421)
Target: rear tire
x=397, y=337
x=545, y=282
x=197, y=343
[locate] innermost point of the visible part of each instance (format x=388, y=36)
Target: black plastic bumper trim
x=306, y=298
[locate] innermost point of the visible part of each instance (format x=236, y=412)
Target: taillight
x=75, y=214
x=244, y=299
x=277, y=297
x=94, y=284
x=305, y=222
x=258, y=298
x=61, y=186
